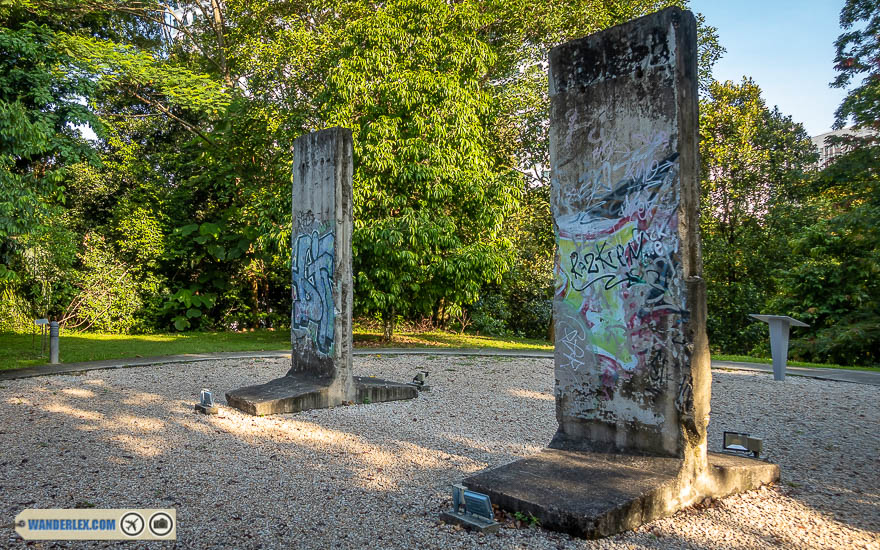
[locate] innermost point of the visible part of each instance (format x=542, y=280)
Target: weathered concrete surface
x=321, y=337
x=321, y=334
x=592, y=495
x=287, y=394
x=631, y=355
x=376, y=390
x=295, y=393
x=206, y=410
x=632, y=361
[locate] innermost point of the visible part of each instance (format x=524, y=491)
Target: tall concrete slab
x=321, y=335
x=632, y=378
x=321, y=290
x=632, y=359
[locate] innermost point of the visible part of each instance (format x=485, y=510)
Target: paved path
x=838, y=375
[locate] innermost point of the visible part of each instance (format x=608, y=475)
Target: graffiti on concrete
x=303, y=221
x=313, y=309
x=620, y=305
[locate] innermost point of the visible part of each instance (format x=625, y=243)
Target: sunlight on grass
x=23, y=350
x=438, y=339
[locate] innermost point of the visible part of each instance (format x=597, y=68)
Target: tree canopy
x=175, y=211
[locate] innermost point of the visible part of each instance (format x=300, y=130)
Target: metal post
x=53, y=342
x=779, y=327
x=779, y=347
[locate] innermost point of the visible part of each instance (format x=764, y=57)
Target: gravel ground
x=376, y=476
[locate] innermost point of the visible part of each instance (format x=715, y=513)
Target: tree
x=59, y=73
x=200, y=100
x=41, y=96
x=430, y=198
x=858, y=55
x=753, y=187
x=835, y=284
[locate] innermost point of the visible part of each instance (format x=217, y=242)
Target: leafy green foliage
x=108, y=297
x=835, y=282
x=858, y=49
x=522, y=303
x=835, y=289
x=40, y=105
x=39, y=109
x=185, y=222
x=430, y=198
x=753, y=187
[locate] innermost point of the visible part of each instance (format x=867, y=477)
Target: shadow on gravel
x=822, y=434
x=109, y=441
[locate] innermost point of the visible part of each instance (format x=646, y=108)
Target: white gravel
x=376, y=476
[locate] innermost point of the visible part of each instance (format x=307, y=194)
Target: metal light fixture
x=206, y=404
x=740, y=443
x=419, y=381
x=477, y=513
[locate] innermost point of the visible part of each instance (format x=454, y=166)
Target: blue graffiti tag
x=313, y=287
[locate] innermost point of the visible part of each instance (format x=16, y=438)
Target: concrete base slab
x=595, y=495
x=290, y=394
x=376, y=390
x=470, y=521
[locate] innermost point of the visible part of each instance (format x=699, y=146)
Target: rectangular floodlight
x=478, y=504
x=477, y=512
x=206, y=398
x=741, y=443
x=206, y=404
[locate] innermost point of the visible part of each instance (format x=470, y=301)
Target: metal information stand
x=779, y=326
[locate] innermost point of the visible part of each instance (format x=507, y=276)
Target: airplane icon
x=132, y=524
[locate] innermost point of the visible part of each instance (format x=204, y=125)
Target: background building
x=828, y=152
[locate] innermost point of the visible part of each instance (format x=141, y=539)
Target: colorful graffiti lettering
x=313, y=289
x=617, y=268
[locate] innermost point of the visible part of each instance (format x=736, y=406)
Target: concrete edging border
x=835, y=375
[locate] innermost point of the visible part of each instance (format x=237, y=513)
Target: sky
x=787, y=47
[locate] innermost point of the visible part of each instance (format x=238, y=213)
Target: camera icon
x=161, y=524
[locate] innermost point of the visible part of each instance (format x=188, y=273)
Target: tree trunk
x=215, y=19
x=435, y=315
x=388, y=325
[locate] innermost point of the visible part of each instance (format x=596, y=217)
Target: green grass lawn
x=790, y=363
x=19, y=350
x=365, y=338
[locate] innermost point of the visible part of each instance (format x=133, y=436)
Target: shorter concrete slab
x=595, y=495
x=470, y=521
x=732, y=474
x=291, y=394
